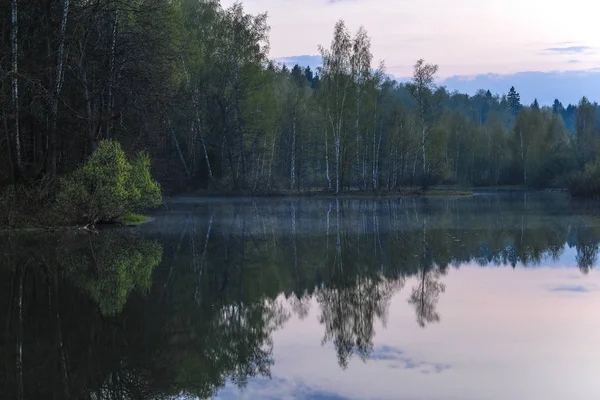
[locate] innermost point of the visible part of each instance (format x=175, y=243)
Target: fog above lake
x=485, y=297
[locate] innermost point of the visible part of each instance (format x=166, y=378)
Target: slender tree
x=337, y=76
x=14, y=43
x=421, y=88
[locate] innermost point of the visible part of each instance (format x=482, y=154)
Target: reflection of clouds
x=490, y=335
x=574, y=276
x=277, y=388
x=402, y=361
x=574, y=288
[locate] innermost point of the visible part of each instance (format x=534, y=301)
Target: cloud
x=386, y=353
x=400, y=361
x=574, y=288
x=574, y=61
x=569, y=49
x=276, y=388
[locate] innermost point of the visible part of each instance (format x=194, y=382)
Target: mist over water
x=487, y=297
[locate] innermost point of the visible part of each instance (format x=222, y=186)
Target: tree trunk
x=19, y=345
x=414, y=173
x=337, y=162
x=457, y=155
x=111, y=75
x=92, y=143
x=58, y=81
x=178, y=149
x=202, y=141
x=272, y=158
x=374, y=169
x=14, y=32
x=423, y=153
x=377, y=153
x=61, y=348
x=523, y=159
x=357, y=131
x=293, y=150
x=327, y=162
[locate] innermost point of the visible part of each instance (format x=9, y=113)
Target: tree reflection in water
x=183, y=305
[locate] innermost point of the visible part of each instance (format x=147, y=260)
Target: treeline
x=191, y=83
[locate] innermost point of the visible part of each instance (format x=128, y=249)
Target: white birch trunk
x=523, y=158
x=337, y=163
x=60, y=57
x=111, y=75
x=19, y=347
x=178, y=148
x=14, y=32
x=374, y=170
x=202, y=141
x=423, y=153
x=327, y=162
x=356, y=127
x=293, y=151
x=58, y=81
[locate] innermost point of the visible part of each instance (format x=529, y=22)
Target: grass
x=134, y=219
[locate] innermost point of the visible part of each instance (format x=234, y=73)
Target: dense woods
x=191, y=83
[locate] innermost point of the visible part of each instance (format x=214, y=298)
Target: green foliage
x=237, y=121
x=514, y=101
x=587, y=182
x=110, y=265
x=145, y=192
x=107, y=186
x=132, y=218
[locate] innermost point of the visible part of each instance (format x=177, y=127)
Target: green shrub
x=587, y=182
x=145, y=191
x=109, y=266
x=108, y=186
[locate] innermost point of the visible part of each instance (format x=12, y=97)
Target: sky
x=501, y=335
x=483, y=40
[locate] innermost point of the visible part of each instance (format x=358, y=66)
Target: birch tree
x=421, y=88
x=360, y=63
x=337, y=77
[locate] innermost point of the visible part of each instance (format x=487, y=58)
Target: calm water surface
x=491, y=297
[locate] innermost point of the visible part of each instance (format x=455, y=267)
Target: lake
x=494, y=296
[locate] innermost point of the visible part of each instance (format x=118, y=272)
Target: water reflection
x=189, y=303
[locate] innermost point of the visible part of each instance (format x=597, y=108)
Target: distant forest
x=191, y=83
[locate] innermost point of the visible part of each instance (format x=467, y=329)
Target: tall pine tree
x=514, y=101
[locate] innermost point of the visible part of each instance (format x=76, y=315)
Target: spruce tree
x=514, y=101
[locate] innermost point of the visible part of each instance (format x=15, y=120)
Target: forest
x=191, y=84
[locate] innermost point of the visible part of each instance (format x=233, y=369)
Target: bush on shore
x=108, y=186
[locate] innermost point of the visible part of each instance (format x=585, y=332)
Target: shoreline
x=441, y=192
